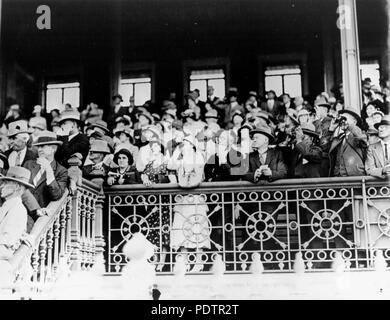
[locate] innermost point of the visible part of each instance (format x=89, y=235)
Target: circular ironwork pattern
x=165, y=228
x=152, y=199
x=260, y=226
x=134, y=224
x=321, y=255
x=228, y=227
x=117, y=258
x=293, y=225
x=318, y=194
x=280, y=256
x=253, y=196
x=117, y=200
x=347, y=254
x=309, y=255
x=331, y=193
x=326, y=224
x=268, y=256
x=241, y=196
x=343, y=193
x=371, y=192
x=243, y=257
x=360, y=223
x=384, y=223
x=306, y=194
x=141, y=199
x=265, y=196
x=385, y=191
x=203, y=197
x=178, y=198
x=197, y=228
x=214, y=197
x=129, y=200
x=278, y=195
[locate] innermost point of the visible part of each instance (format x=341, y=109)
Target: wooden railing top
x=238, y=185
x=38, y=230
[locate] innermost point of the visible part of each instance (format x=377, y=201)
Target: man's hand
x=267, y=171
x=110, y=181
x=45, y=164
x=333, y=125
x=42, y=212
x=299, y=134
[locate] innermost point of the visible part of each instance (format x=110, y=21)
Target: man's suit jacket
x=46, y=193
x=353, y=154
x=274, y=161
x=376, y=160
x=31, y=154
x=312, y=154
x=277, y=109
x=79, y=144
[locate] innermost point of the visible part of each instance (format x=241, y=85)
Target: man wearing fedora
x=322, y=124
x=100, y=127
x=19, y=135
x=97, y=170
x=116, y=110
x=265, y=164
x=47, y=175
x=378, y=155
x=306, y=153
x=73, y=141
x=13, y=214
x=348, y=147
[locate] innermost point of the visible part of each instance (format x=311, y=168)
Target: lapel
x=269, y=157
x=334, y=144
x=37, y=167
x=379, y=153
x=256, y=160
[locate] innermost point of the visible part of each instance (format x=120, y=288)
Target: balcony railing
x=70, y=237
x=316, y=217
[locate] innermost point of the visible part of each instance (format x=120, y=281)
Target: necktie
x=261, y=158
x=386, y=151
x=17, y=160
x=38, y=176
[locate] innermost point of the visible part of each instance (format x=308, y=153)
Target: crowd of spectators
x=261, y=139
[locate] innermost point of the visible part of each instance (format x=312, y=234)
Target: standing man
x=378, y=155
x=73, y=141
x=13, y=214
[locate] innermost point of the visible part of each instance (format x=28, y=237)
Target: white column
x=347, y=23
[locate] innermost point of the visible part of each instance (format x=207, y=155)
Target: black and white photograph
x=194, y=150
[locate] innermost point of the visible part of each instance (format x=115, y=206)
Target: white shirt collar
x=72, y=136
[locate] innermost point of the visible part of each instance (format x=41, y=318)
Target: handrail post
x=75, y=233
x=99, y=237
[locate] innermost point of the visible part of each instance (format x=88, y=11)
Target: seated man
x=13, y=215
x=47, y=175
x=19, y=153
x=73, y=141
x=265, y=164
x=378, y=155
x=96, y=169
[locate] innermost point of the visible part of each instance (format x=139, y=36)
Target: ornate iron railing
x=316, y=217
x=70, y=237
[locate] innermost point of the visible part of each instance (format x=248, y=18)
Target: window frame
x=61, y=80
x=208, y=79
x=292, y=63
x=205, y=64
x=132, y=70
x=294, y=58
x=368, y=59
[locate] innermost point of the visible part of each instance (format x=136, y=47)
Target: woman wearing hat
x=125, y=173
x=124, y=141
x=13, y=214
